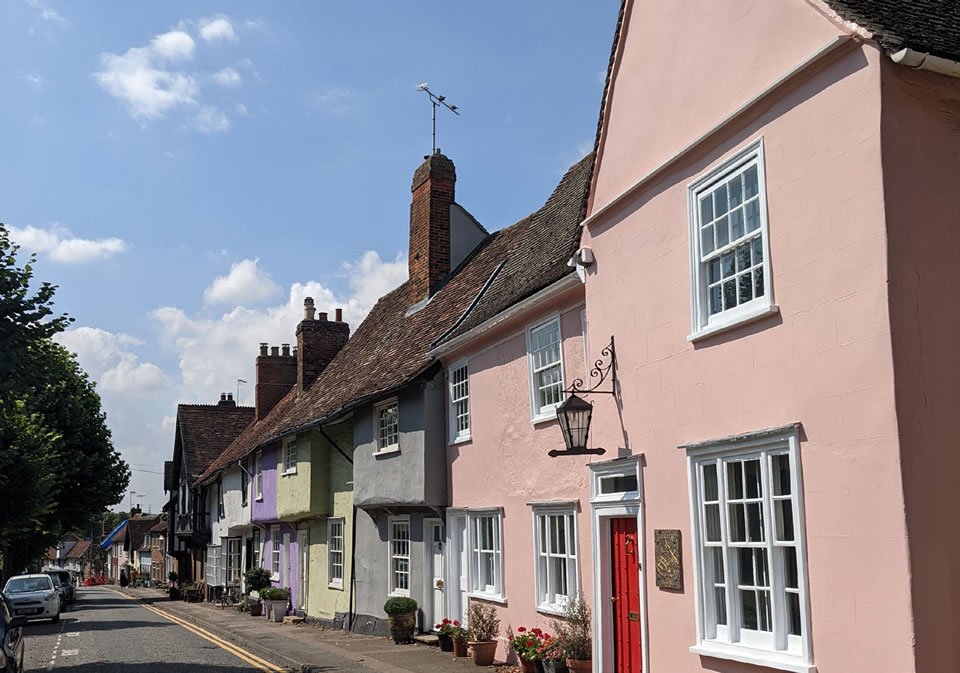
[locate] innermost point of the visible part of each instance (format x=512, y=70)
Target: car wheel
x=55, y=619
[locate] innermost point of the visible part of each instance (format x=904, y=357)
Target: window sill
x=287, y=473
x=335, y=585
x=492, y=598
x=545, y=418
x=550, y=610
x=746, y=655
x=460, y=440
x=399, y=594
x=387, y=451
x=734, y=322
x=259, y=498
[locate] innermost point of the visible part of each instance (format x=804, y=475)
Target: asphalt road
x=105, y=632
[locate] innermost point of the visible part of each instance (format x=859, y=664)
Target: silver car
x=33, y=597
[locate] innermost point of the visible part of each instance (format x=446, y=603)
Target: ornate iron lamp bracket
x=602, y=368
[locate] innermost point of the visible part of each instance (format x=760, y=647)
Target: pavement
x=306, y=647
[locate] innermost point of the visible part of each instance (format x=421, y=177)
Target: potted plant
x=401, y=618
x=191, y=593
x=444, y=631
x=552, y=656
x=276, y=601
x=528, y=646
x=255, y=580
x=484, y=627
x=174, y=592
x=453, y=637
x=574, y=632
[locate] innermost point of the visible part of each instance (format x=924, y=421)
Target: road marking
x=69, y=653
x=236, y=651
x=73, y=635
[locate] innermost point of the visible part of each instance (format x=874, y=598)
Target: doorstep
x=426, y=639
x=310, y=648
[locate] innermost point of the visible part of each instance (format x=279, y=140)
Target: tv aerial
x=436, y=101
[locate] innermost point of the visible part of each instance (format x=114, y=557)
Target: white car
x=33, y=597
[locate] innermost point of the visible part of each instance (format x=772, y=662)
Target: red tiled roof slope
x=206, y=430
x=924, y=25
x=391, y=348
x=79, y=549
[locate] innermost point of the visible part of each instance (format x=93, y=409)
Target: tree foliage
x=58, y=467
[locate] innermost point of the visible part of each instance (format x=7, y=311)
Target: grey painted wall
x=373, y=569
x=465, y=235
x=416, y=475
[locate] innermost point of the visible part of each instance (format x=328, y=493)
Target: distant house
x=157, y=549
x=116, y=557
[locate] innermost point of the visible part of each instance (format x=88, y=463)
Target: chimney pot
x=323, y=317
x=285, y=350
x=223, y=397
x=274, y=351
x=339, y=315
x=308, y=309
x=229, y=397
x=263, y=348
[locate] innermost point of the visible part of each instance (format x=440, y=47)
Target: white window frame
x=377, y=410
x=493, y=591
x=275, y=553
x=457, y=435
x=258, y=479
x=233, y=561
x=775, y=649
x=214, y=569
x=541, y=517
x=545, y=413
x=257, y=537
x=290, y=455
x=392, y=521
x=332, y=581
x=702, y=324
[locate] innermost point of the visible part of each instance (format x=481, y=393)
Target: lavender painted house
x=273, y=542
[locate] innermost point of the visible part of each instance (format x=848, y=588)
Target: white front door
x=302, y=570
x=433, y=611
x=457, y=568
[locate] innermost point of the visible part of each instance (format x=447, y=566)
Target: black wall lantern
x=574, y=413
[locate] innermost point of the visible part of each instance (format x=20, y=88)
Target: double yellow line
x=238, y=652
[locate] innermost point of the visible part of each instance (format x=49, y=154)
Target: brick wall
x=429, y=254
x=318, y=341
x=276, y=374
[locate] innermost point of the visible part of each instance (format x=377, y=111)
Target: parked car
x=61, y=590
x=11, y=639
x=33, y=596
x=69, y=585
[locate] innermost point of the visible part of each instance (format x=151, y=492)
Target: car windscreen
x=20, y=585
x=56, y=580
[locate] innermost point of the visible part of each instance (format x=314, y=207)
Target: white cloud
x=47, y=13
x=217, y=28
x=34, y=79
x=106, y=357
x=214, y=352
x=210, y=119
x=62, y=246
x=138, y=79
x=335, y=101
x=245, y=284
x=253, y=24
x=228, y=77
x=173, y=46
x=242, y=110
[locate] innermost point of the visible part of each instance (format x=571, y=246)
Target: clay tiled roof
x=931, y=26
x=136, y=527
x=205, y=430
x=79, y=549
x=390, y=348
x=159, y=527
x=51, y=554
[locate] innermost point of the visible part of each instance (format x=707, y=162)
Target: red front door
x=626, y=594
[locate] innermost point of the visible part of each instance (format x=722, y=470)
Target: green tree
x=58, y=467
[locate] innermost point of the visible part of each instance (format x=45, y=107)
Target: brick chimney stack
x=433, y=194
x=276, y=374
x=318, y=342
x=226, y=400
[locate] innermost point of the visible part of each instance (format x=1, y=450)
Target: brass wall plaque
x=667, y=553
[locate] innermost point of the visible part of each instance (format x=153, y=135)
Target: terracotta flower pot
x=483, y=652
x=528, y=666
x=402, y=626
x=580, y=665
x=459, y=647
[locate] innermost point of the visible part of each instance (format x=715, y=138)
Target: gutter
x=549, y=292
x=919, y=60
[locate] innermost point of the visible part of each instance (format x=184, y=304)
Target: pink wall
x=727, y=52
x=921, y=145
x=825, y=360
x=506, y=463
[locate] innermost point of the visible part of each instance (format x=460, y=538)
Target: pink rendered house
x=517, y=532
x=773, y=219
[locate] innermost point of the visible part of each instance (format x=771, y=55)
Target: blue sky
x=188, y=171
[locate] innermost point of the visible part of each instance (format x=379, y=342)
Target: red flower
x=537, y=631
x=436, y=626
x=456, y=623
x=529, y=643
x=446, y=621
x=521, y=629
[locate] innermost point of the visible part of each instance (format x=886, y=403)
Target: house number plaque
x=667, y=554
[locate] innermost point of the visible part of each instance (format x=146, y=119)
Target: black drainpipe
x=353, y=534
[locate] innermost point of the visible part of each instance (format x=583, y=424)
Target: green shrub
x=275, y=594
x=256, y=579
x=400, y=606
x=484, y=623
x=573, y=631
